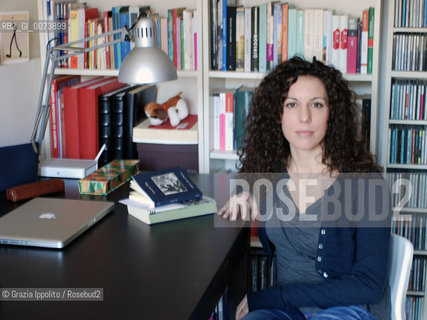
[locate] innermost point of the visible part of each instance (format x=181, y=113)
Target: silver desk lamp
x=146, y=63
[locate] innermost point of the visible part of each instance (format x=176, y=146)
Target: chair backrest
x=401, y=254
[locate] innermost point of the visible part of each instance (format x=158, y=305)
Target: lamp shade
x=146, y=63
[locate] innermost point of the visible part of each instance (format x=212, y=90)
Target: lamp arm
x=53, y=56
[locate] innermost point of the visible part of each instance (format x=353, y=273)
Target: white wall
x=19, y=84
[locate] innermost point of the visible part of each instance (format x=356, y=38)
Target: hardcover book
x=171, y=212
x=162, y=187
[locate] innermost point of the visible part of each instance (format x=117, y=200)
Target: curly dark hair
x=265, y=148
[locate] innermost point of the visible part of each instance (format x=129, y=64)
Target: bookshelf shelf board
x=357, y=77
x=113, y=72
x=87, y=72
x=409, y=122
x=415, y=293
x=223, y=155
x=417, y=30
x=236, y=75
x=411, y=210
x=409, y=74
x=260, y=75
x=407, y=166
x=420, y=252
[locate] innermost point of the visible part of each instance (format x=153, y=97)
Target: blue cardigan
x=352, y=260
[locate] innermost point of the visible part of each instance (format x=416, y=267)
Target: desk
x=175, y=270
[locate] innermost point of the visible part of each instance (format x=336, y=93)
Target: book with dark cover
x=214, y=25
x=231, y=38
x=243, y=101
x=162, y=187
x=105, y=106
x=254, y=40
x=135, y=101
x=117, y=125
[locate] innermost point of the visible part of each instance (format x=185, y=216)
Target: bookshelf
x=189, y=81
x=215, y=81
x=404, y=125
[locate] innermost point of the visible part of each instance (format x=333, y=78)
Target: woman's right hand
x=243, y=203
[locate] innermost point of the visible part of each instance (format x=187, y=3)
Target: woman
x=303, y=124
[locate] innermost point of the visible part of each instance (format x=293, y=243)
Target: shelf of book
x=403, y=149
x=217, y=78
x=189, y=81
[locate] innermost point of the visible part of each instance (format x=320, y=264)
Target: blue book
x=117, y=46
x=262, y=38
x=224, y=35
x=162, y=187
x=292, y=32
x=124, y=21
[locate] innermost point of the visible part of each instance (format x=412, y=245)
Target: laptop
x=50, y=222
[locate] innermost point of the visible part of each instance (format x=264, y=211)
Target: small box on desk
x=161, y=156
x=109, y=177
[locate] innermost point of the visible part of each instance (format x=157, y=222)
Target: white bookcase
x=217, y=80
x=198, y=86
x=189, y=82
x=409, y=80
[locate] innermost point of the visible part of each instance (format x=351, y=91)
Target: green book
x=171, y=212
x=371, y=38
x=243, y=101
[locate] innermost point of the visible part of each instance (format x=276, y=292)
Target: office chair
x=401, y=253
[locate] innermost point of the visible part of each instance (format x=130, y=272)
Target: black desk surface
x=173, y=270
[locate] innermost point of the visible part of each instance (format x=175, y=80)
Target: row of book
x=408, y=144
x=88, y=114
x=410, y=13
x=409, y=52
x=230, y=109
x=262, y=270
x=177, y=33
x=408, y=189
x=413, y=227
x=417, y=276
x=257, y=38
x=408, y=100
x=414, y=308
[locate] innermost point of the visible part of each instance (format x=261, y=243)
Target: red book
x=176, y=13
x=55, y=112
x=352, y=45
x=71, y=118
x=88, y=115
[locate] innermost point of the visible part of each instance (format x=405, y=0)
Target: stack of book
x=165, y=195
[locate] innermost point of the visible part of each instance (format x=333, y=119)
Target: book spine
x=229, y=121
x=335, y=40
x=270, y=42
x=255, y=39
x=327, y=37
x=247, y=42
x=214, y=28
x=240, y=38
x=308, y=34
x=318, y=34
x=300, y=32
x=371, y=39
x=170, y=35
x=364, y=44
x=53, y=120
x=222, y=121
x=292, y=34
x=283, y=33
x=220, y=28
x=343, y=43
x=352, y=45
x=231, y=39
x=224, y=34
x=262, y=36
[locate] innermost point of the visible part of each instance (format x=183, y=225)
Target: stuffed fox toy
x=175, y=109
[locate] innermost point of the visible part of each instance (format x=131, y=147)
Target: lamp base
x=67, y=168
